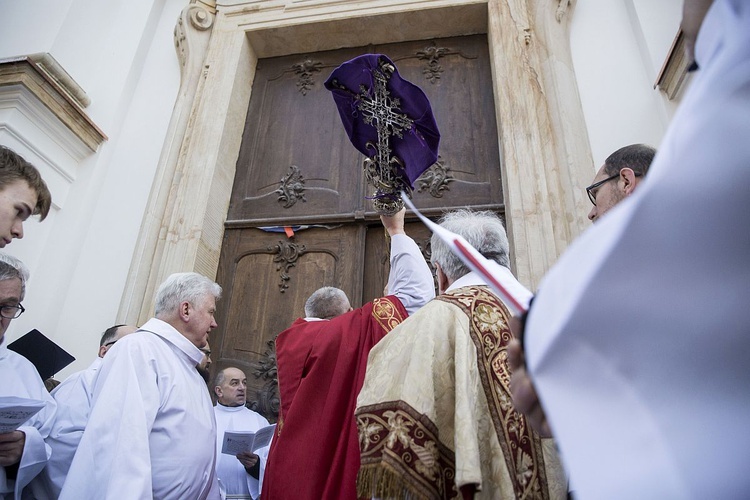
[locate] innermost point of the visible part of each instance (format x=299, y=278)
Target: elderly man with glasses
x=23, y=453
x=626, y=167
x=73, y=398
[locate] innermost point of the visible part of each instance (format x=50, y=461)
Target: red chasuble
x=321, y=368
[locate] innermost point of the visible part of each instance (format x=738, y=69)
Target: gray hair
x=183, y=287
x=11, y=267
x=326, y=303
x=483, y=230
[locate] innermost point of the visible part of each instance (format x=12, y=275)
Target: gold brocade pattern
x=522, y=447
x=386, y=314
x=418, y=465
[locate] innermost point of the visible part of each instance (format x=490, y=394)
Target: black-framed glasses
x=112, y=342
x=590, y=190
x=12, y=312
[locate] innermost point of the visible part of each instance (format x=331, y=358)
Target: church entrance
x=298, y=217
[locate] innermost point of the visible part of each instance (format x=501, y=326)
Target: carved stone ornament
x=179, y=41
x=201, y=19
x=304, y=72
x=435, y=179
x=267, y=400
x=292, y=187
x=432, y=55
x=286, y=255
x=562, y=9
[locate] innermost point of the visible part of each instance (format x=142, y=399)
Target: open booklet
x=241, y=441
x=499, y=278
x=14, y=411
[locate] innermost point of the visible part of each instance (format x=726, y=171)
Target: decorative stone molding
x=43, y=77
x=153, y=260
x=200, y=18
x=562, y=9
x=542, y=133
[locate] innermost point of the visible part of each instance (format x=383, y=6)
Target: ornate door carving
x=297, y=169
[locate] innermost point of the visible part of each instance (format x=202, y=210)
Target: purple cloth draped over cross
x=418, y=146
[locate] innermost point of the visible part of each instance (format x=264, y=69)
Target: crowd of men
x=625, y=379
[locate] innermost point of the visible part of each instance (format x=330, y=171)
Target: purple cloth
x=418, y=149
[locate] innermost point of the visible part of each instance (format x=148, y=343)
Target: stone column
x=184, y=223
x=542, y=134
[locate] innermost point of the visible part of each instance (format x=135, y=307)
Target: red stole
x=321, y=369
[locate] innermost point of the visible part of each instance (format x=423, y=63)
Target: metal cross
x=383, y=170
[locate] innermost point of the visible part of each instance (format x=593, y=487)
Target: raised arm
x=410, y=278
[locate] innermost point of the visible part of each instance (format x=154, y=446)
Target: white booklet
x=235, y=442
x=14, y=411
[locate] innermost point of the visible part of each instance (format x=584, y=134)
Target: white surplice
x=73, y=397
x=410, y=278
x=151, y=432
x=638, y=339
x=20, y=378
x=232, y=474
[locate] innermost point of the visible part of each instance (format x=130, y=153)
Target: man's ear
x=103, y=350
x=629, y=180
x=218, y=391
x=443, y=283
x=184, y=311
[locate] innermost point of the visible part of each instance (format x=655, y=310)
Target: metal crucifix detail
x=383, y=170
x=389, y=120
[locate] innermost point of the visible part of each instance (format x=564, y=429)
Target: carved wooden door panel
x=297, y=168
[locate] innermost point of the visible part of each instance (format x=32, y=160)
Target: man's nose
x=17, y=229
x=592, y=214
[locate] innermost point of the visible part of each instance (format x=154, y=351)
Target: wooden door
x=297, y=169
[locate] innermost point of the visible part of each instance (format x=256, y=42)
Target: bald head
x=230, y=387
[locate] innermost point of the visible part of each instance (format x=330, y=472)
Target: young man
x=23, y=193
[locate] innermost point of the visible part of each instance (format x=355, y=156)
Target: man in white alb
x=152, y=433
x=23, y=453
x=73, y=397
x=240, y=476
